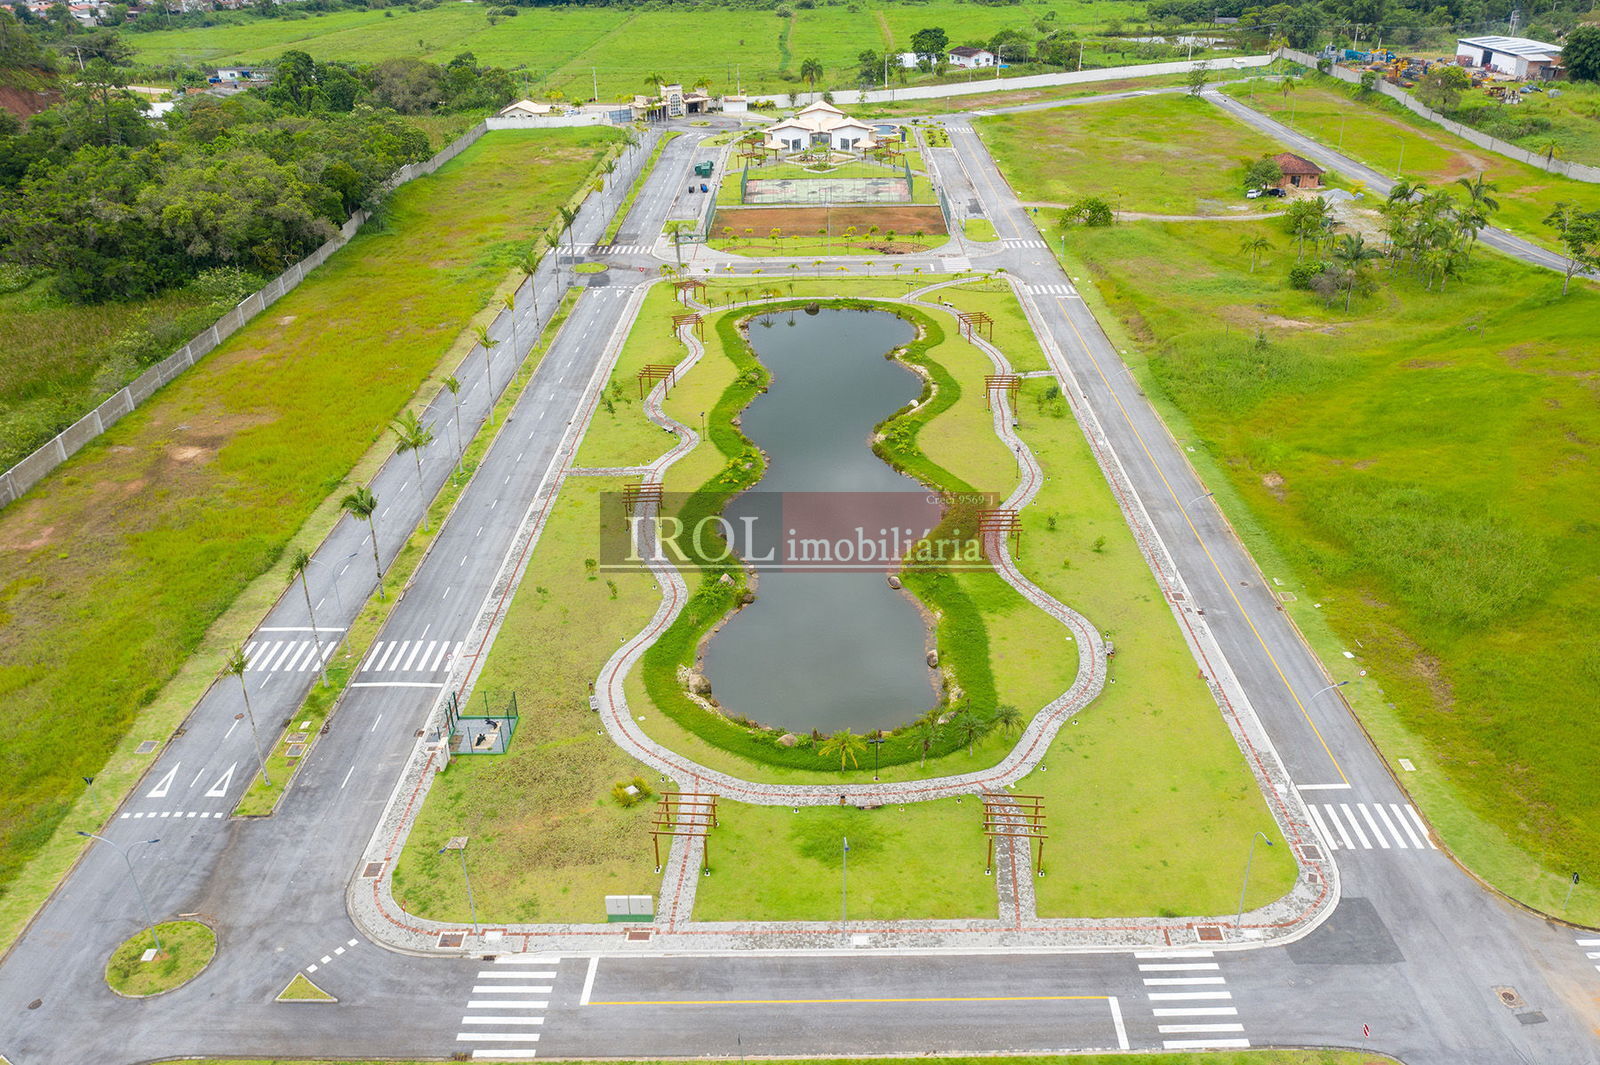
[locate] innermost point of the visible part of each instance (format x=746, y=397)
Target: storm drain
x=372, y=870
x=1209, y=933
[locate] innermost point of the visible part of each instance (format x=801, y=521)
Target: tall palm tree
x=1007, y=719
x=969, y=729
x=927, y=733
x=568, y=216
x=528, y=266
x=1478, y=192
x=488, y=344
x=811, y=72
x=844, y=743
x=610, y=168
x=1350, y=252
x=236, y=665
x=362, y=505
x=453, y=385
x=509, y=302
x=1550, y=149
x=412, y=436
x=299, y=562
x=1253, y=247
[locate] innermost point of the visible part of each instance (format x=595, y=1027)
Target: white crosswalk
x=410, y=656
x=1053, y=290
x=1369, y=826
x=287, y=656
x=620, y=249
x=500, y=1023
x=173, y=814
x=1591, y=951
x=1015, y=243
x=1186, y=1007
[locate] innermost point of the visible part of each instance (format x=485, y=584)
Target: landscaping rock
x=698, y=683
x=788, y=739
x=894, y=582
x=933, y=659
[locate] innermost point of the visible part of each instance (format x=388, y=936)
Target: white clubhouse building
x=820, y=125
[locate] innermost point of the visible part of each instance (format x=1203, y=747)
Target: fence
x=1576, y=171
x=31, y=470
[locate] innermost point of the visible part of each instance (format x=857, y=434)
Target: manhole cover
x=452, y=939
x=639, y=935
x=1310, y=852
x=372, y=870
x=1509, y=997
x=1209, y=933
x=1532, y=1017
x=36, y=1003
x=147, y=747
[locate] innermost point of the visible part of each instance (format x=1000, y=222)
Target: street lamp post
x=844, y=884
x=1328, y=688
x=149, y=915
x=877, y=742
x=1237, y=921
x=338, y=597
x=459, y=845
x=1197, y=499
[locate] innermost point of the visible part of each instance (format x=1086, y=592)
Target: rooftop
x=1513, y=46
x=1291, y=163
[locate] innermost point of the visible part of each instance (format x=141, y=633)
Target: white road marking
x=514, y=974
x=498, y=1037
x=1376, y=831
x=1204, y=1044
x=1116, y=1019
x=412, y=657
x=511, y=989
x=165, y=785
x=197, y=777
x=588, y=980
x=444, y=648
x=512, y=1004
x=504, y=1055
x=231, y=727
x=346, y=779
x=1172, y=954
x=372, y=655
x=1178, y=996
x=1196, y=1029
x=375, y=721
x=1158, y=981
x=220, y=788
x=1179, y=967
x=1333, y=819
x=384, y=661
x=1355, y=825
x=1412, y=810
x=503, y=1020
x=1322, y=787
x=1196, y=1011
x=394, y=684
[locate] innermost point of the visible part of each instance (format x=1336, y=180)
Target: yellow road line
x=1206, y=548
x=854, y=1001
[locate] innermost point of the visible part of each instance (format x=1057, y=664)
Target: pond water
x=825, y=650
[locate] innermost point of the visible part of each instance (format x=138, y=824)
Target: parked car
x=1252, y=194
x=703, y=187
x=691, y=186
x=1275, y=191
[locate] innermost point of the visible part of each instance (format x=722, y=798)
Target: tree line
x=115, y=206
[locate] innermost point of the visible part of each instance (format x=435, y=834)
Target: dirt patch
x=23, y=532
x=190, y=454
x=1273, y=482
x=1425, y=364
x=1431, y=670
x=1280, y=322
x=809, y=221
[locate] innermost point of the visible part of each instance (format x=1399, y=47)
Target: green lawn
x=1540, y=120
x=979, y=229
x=770, y=863
x=548, y=840
x=1419, y=471
x=186, y=948
x=166, y=519
x=625, y=47
x=1159, y=154
x=1392, y=140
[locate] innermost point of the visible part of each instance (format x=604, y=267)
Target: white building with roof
x=820, y=125
x=1517, y=56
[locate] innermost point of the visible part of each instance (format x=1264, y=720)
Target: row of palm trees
x=966, y=726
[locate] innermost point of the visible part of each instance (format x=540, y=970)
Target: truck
x=703, y=169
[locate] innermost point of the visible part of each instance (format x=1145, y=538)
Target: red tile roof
x=1291, y=163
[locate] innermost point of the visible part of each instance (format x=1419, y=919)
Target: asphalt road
x=1415, y=951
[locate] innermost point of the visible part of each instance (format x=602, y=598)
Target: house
x=821, y=125
x=969, y=57
x=1298, y=173
x=678, y=103
x=1516, y=56
x=525, y=109
x=906, y=60
x=736, y=105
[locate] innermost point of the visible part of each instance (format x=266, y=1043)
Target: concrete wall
x=1032, y=81
x=27, y=473
x=546, y=121
x=1576, y=171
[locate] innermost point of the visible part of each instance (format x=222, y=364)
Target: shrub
x=1302, y=274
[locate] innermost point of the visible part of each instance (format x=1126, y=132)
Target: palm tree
x=1403, y=191
x=969, y=729
x=411, y=435
x=488, y=344
x=1253, y=247
x=362, y=505
x=454, y=386
x=1478, y=192
x=528, y=265
x=1550, y=149
x=568, y=216
x=1350, y=252
x=236, y=665
x=298, y=563
x=811, y=72
x=610, y=168
x=927, y=734
x=1007, y=719
x=844, y=743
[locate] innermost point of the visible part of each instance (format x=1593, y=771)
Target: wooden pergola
x=654, y=372
x=972, y=322
x=685, y=285
x=690, y=814
x=999, y=522
x=681, y=321
x=1014, y=817
x=634, y=495
x=999, y=382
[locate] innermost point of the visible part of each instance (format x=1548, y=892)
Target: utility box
x=703, y=169
x=630, y=908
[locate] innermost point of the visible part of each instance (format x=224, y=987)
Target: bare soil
x=809, y=221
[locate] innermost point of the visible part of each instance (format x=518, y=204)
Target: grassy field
x=769, y=863
x=1392, y=140
x=1541, y=120
x=187, y=947
x=626, y=48
x=166, y=519
x=1422, y=470
x=980, y=229
x=548, y=840
x=1162, y=154
x=1223, y=1057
